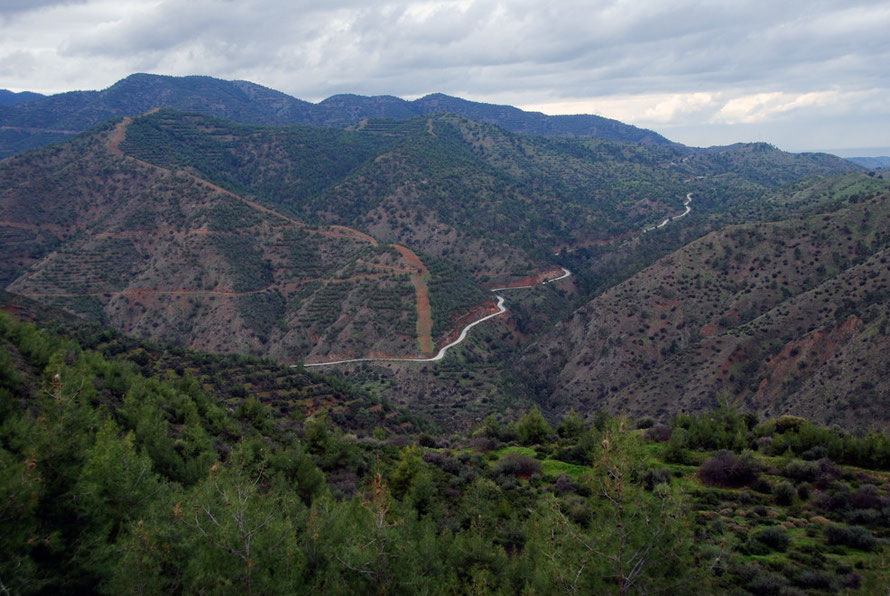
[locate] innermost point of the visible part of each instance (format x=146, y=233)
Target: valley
x=374, y=249
x=254, y=344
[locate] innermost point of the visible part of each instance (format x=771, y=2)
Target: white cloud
x=760, y=107
x=649, y=109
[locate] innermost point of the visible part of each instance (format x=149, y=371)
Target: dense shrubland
x=114, y=481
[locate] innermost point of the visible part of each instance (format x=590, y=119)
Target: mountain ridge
x=250, y=103
x=9, y=98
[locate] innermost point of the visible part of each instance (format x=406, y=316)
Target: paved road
x=675, y=217
x=463, y=334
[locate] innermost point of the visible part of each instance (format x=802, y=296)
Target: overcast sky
x=804, y=75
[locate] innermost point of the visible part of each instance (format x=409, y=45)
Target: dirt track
x=415, y=267
x=424, y=313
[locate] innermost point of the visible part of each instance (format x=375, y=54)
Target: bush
x=863, y=517
x=762, y=486
x=866, y=497
x=572, y=425
x=784, y=493
x=834, y=502
x=815, y=580
x=802, y=471
x=483, y=444
x=517, y=465
x=675, y=452
x=659, y=433
x=852, y=536
x=765, y=582
x=829, y=472
x=774, y=538
x=532, y=428
x=442, y=461
x=653, y=477
x=645, y=422
x=564, y=485
x=726, y=469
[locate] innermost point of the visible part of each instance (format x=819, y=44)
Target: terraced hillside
x=166, y=255
x=323, y=245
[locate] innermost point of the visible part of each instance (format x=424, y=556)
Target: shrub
x=645, y=422
x=483, y=444
x=653, y=477
x=425, y=440
x=532, y=428
x=866, y=497
x=834, y=502
x=675, y=451
x=784, y=493
x=802, y=471
x=863, y=517
x=815, y=580
x=659, y=433
x=517, y=465
x=829, y=472
x=564, y=485
x=572, y=425
x=774, y=538
x=765, y=582
x=803, y=491
x=762, y=486
x=726, y=469
x=442, y=461
x=852, y=536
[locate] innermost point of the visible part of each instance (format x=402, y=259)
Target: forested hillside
x=378, y=241
x=43, y=120
x=118, y=476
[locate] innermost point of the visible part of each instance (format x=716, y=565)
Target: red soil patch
x=809, y=353
x=424, y=312
x=530, y=280
x=709, y=330
x=459, y=322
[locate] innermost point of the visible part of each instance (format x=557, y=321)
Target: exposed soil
x=424, y=313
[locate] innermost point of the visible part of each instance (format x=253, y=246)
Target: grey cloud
x=10, y=7
x=614, y=47
x=488, y=48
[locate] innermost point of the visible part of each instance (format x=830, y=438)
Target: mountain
x=318, y=244
x=784, y=317
x=56, y=117
x=9, y=98
x=872, y=163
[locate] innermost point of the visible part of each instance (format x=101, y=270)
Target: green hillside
x=119, y=476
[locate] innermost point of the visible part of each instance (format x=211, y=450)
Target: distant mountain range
x=872, y=163
x=34, y=120
x=8, y=98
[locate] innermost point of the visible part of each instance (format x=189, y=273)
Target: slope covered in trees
x=114, y=481
x=43, y=120
x=272, y=241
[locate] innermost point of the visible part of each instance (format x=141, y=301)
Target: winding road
x=675, y=217
x=463, y=334
x=501, y=308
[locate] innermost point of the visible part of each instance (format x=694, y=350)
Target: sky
x=802, y=75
